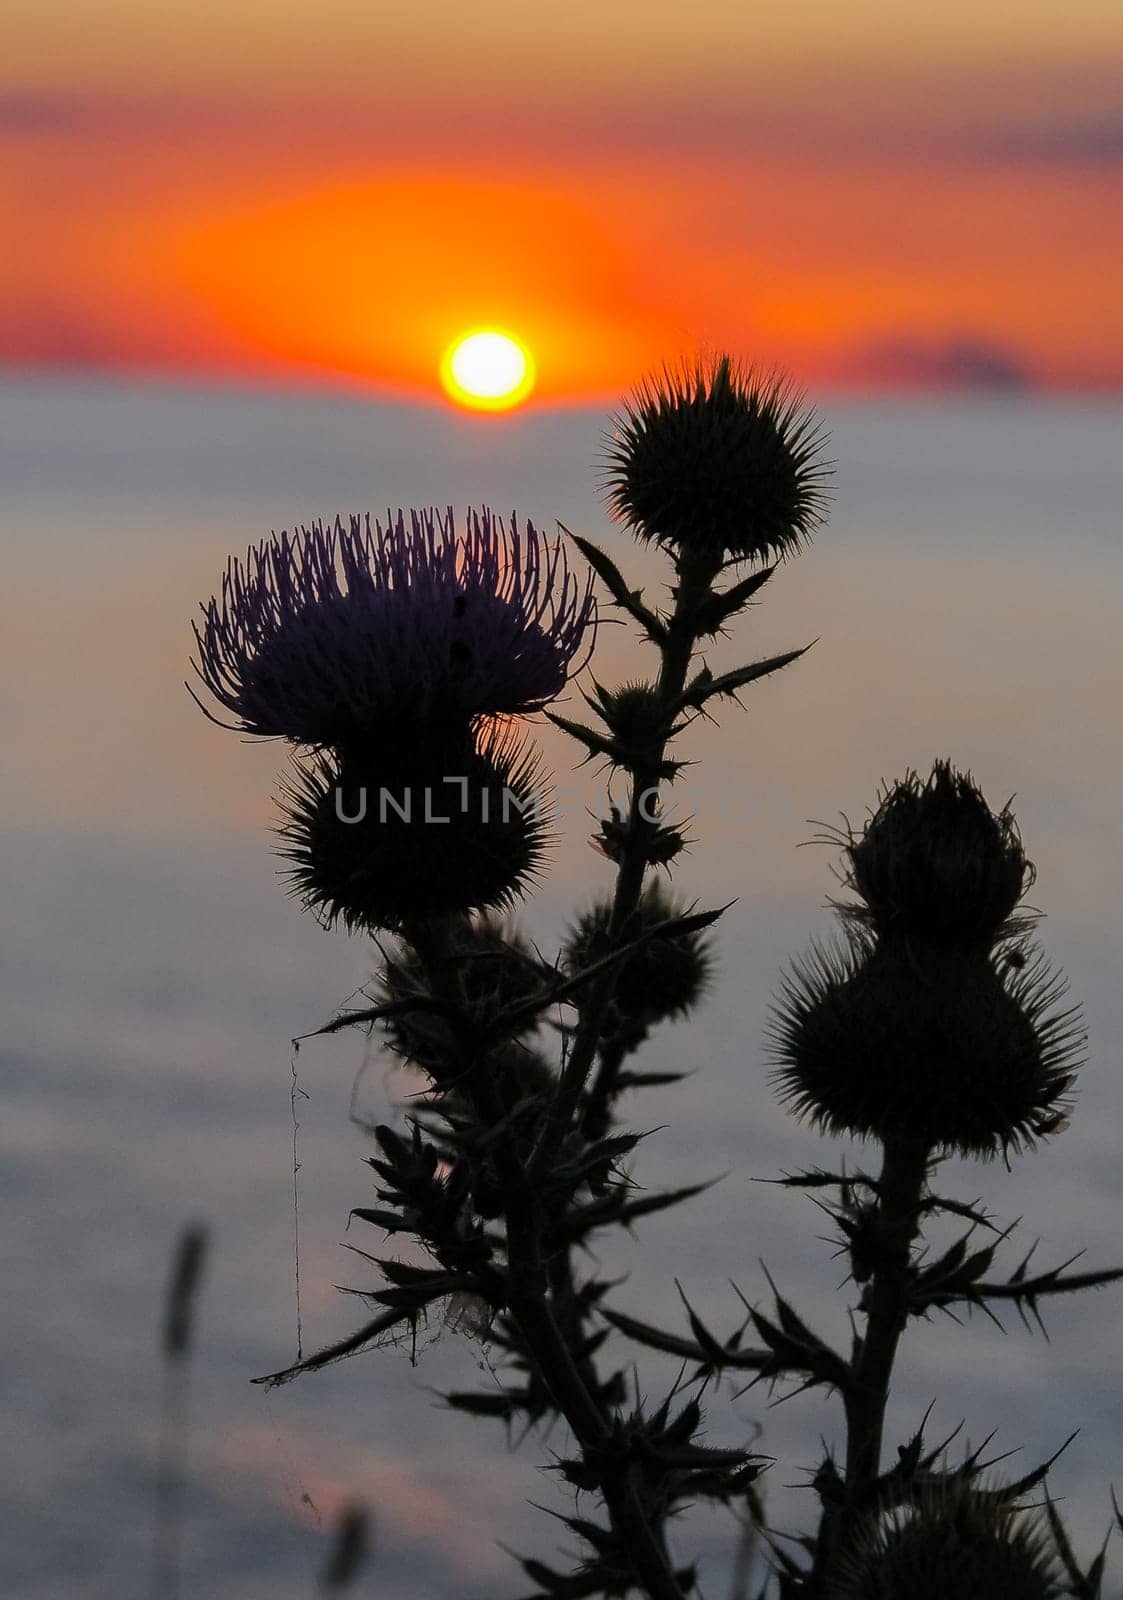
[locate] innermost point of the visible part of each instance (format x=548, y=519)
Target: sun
x=487, y=370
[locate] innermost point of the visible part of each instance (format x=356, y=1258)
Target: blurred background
x=237, y=240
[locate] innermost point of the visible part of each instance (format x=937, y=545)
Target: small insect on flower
x=343, y=635
x=718, y=463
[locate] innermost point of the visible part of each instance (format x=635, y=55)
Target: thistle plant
x=398, y=661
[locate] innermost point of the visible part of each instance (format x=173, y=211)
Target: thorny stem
x=900, y=1187
x=530, y=1302
x=532, y=1310
x=613, y=1054
x=530, y=1306
x=695, y=582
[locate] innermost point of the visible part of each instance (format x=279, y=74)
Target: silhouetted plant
x=931, y=1027
x=189, y=1261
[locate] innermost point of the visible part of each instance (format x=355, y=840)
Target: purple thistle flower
x=338, y=634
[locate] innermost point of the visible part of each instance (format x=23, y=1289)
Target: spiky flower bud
x=663, y=979
x=716, y=463
x=414, y=832
x=634, y=712
x=926, y=1024
x=958, y=1053
x=935, y=864
x=660, y=843
x=957, y=1542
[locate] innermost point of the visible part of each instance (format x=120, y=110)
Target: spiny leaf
x=1084, y=1586
x=1020, y=1289
x=391, y=1221
x=723, y=604
x=704, y=686
x=629, y=600
x=1023, y=1485
x=337, y=1352
x=960, y=1208
x=367, y=1017
x=690, y=922
x=614, y=1209
x=504, y=1406
x=561, y=1586
x=597, y=744
x=712, y=1349
x=647, y=1080
x=817, y=1178
x=676, y=1345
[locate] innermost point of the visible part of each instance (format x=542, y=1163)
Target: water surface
x=965, y=599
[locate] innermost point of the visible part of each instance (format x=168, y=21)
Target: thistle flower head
x=935, y=864
x=955, y=1541
x=958, y=1053
x=717, y=463
x=340, y=635
x=425, y=830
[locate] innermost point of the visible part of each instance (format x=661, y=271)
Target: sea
x=963, y=601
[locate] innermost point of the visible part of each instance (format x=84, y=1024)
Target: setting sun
x=487, y=370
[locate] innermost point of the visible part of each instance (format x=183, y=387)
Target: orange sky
x=868, y=194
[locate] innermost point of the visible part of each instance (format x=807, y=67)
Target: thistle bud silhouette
x=934, y=862
x=917, y=1026
x=958, y=1054
x=414, y=832
x=717, y=463
x=957, y=1542
x=662, y=979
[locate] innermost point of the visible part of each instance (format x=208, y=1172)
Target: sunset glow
x=487, y=370
x=868, y=197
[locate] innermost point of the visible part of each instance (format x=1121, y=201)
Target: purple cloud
x=959, y=361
